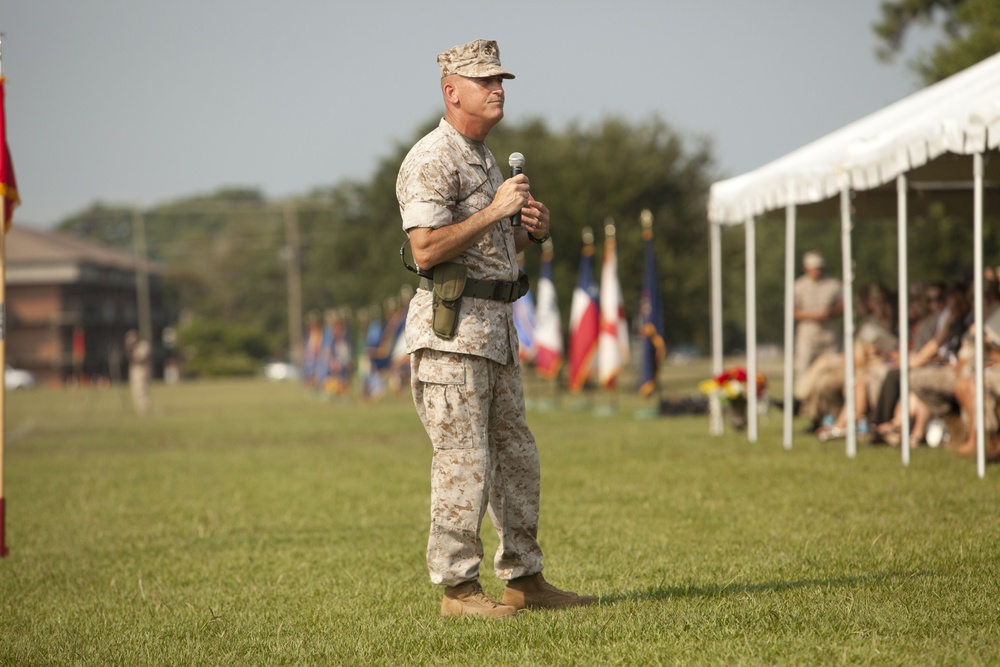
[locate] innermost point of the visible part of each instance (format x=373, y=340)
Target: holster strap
x=497, y=290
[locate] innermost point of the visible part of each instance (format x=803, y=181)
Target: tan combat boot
x=533, y=592
x=468, y=599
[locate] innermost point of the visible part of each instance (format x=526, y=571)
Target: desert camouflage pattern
x=485, y=458
x=444, y=179
x=480, y=58
x=467, y=390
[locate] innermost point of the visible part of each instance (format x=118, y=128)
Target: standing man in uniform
x=138, y=353
x=457, y=211
x=818, y=305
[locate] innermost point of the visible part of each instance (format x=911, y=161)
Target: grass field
x=247, y=523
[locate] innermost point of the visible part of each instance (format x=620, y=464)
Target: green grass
x=247, y=523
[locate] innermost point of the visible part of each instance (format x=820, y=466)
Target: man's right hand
x=512, y=196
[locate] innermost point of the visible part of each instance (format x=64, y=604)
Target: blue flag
x=651, y=318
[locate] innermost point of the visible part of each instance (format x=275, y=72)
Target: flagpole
x=3, y=336
x=646, y=220
x=3, y=364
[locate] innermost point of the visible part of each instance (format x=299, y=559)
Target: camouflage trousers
x=485, y=458
x=811, y=341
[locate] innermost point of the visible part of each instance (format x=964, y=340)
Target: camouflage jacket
x=444, y=179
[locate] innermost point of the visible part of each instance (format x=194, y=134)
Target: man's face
x=934, y=299
x=481, y=98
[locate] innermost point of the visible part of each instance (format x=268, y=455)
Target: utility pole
x=141, y=275
x=294, y=272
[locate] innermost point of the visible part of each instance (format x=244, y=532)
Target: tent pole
x=715, y=409
x=904, y=306
x=977, y=235
x=848, y=268
x=751, y=286
x=789, y=409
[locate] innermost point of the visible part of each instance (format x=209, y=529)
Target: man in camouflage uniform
x=457, y=207
x=818, y=305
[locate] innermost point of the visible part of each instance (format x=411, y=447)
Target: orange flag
x=8, y=184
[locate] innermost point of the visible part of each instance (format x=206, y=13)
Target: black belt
x=497, y=290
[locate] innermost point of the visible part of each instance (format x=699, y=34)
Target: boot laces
x=477, y=594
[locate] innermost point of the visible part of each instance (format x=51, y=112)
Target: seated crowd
x=942, y=390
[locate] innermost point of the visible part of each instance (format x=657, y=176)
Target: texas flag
x=8, y=184
x=584, y=318
x=613, y=348
x=548, y=324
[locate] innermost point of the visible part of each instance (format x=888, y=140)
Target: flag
x=651, y=317
x=8, y=184
x=383, y=344
x=584, y=319
x=524, y=324
x=612, y=344
x=548, y=324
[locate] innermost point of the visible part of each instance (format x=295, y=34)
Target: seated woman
x=875, y=348
x=932, y=374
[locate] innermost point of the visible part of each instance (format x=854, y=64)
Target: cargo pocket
x=445, y=402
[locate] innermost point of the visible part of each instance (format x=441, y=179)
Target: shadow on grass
x=732, y=588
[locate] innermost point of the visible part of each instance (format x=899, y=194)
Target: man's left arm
x=534, y=222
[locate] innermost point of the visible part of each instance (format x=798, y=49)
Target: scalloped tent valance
x=958, y=116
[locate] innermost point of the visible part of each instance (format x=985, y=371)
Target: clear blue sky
x=138, y=103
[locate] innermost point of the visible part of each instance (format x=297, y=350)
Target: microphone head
x=515, y=160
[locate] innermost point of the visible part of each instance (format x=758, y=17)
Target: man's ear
x=450, y=92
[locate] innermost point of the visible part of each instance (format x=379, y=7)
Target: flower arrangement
x=731, y=384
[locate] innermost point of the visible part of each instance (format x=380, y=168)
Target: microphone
x=516, y=161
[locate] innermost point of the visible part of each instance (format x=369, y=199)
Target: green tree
x=971, y=29
x=219, y=348
x=612, y=169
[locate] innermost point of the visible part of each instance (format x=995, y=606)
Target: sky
x=137, y=103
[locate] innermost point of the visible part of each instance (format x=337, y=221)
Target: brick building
x=70, y=303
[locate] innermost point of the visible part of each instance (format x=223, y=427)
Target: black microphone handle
x=515, y=220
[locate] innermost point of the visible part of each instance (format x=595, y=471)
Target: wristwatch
x=540, y=241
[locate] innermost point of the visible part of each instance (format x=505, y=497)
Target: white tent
x=931, y=145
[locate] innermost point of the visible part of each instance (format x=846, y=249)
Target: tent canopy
x=928, y=135
x=932, y=146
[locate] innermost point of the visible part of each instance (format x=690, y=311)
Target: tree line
x=224, y=256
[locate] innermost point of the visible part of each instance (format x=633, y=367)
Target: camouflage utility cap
x=477, y=59
x=813, y=260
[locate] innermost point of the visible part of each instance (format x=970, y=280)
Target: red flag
x=612, y=344
x=8, y=184
x=584, y=321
